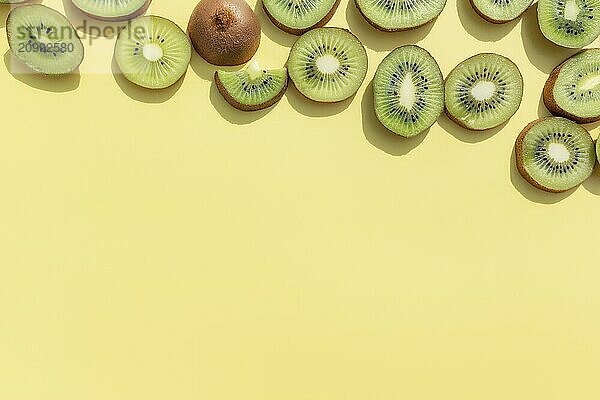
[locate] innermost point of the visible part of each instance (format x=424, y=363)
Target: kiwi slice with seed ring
x=408, y=90
x=112, y=10
x=399, y=15
x=500, y=11
x=483, y=91
x=327, y=64
x=299, y=16
x=573, y=88
x=555, y=154
x=44, y=39
x=569, y=23
x=252, y=89
x=153, y=52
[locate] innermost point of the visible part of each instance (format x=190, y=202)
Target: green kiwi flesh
x=408, y=90
x=327, y=64
x=483, y=91
x=252, y=89
x=569, y=23
x=153, y=52
x=500, y=11
x=555, y=154
x=112, y=10
x=398, y=15
x=573, y=88
x=299, y=16
x=44, y=39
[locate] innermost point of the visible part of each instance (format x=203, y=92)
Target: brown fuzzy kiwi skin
x=381, y=28
x=338, y=101
x=552, y=105
x=128, y=17
x=519, y=158
x=299, y=32
x=224, y=32
x=246, y=107
x=495, y=21
x=460, y=123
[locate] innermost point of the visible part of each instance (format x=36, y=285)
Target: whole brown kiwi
x=224, y=32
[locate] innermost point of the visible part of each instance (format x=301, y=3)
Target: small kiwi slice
x=299, y=16
x=500, y=11
x=408, y=91
x=153, y=52
x=483, y=91
x=573, y=88
x=399, y=15
x=569, y=23
x=112, y=10
x=327, y=64
x=44, y=39
x=252, y=89
x=555, y=154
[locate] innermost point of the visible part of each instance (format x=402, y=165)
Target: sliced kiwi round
x=153, y=52
x=112, y=10
x=483, y=91
x=569, y=23
x=327, y=64
x=254, y=88
x=500, y=11
x=408, y=91
x=44, y=39
x=555, y=154
x=299, y=16
x=399, y=15
x=573, y=88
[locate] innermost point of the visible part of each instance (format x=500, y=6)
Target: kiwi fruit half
x=500, y=11
x=299, y=16
x=327, y=64
x=573, y=88
x=555, y=154
x=252, y=89
x=44, y=39
x=112, y=10
x=408, y=91
x=569, y=23
x=399, y=15
x=153, y=52
x=483, y=91
x=224, y=32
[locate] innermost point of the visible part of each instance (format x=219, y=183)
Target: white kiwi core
x=589, y=82
x=407, y=92
x=571, y=10
x=483, y=90
x=558, y=152
x=327, y=64
x=152, y=52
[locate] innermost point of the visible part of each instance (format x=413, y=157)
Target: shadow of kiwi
x=530, y=192
x=379, y=136
x=91, y=27
x=270, y=30
x=466, y=135
x=312, y=108
x=48, y=83
x=377, y=40
x=541, y=52
x=141, y=94
x=232, y=114
x=592, y=184
x=6, y=8
x=206, y=70
x=478, y=27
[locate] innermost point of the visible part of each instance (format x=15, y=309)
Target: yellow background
x=161, y=245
